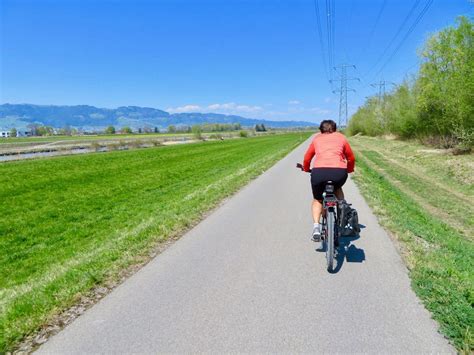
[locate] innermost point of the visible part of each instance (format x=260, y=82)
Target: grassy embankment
x=65, y=145
x=425, y=198
x=69, y=224
x=52, y=139
x=26, y=141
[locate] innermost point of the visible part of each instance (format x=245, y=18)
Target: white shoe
x=316, y=234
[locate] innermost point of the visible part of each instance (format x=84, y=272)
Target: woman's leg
x=339, y=194
x=341, y=180
x=316, y=208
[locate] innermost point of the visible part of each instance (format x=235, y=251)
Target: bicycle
x=330, y=230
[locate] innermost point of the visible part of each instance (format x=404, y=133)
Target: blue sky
x=253, y=58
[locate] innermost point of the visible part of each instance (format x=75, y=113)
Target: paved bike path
x=248, y=279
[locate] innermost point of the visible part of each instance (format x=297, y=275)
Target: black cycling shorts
x=320, y=176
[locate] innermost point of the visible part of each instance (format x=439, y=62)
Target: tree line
x=41, y=130
x=206, y=127
x=437, y=104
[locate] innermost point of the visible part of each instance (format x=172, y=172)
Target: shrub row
x=437, y=105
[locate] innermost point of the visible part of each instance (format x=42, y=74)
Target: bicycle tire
x=330, y=228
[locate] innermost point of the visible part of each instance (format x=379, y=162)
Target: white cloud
x=225, y=108
x=245, y=108
x=185, y=108
x=232, y=107
x=309, y=110
x=319, y=110
x=293, y=111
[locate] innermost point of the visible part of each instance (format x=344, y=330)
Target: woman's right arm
x=308, y=157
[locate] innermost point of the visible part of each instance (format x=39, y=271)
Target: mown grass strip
x=438, y=166
x=440, y=259
x=441, y=203
x=418, y=170
x=68, y=224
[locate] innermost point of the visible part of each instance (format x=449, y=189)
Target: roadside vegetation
x=437, y=105
x=69, y=224
x=34, y=147
x=424, y=198
x=88, y=137
x=419, y=178
x=48, y=134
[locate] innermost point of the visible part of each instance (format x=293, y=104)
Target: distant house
x=7, y=134
x=23, y=133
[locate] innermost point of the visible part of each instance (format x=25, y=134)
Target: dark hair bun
x=327, y=126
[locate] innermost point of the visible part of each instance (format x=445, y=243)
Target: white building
x=23, y=133
x=6, y=134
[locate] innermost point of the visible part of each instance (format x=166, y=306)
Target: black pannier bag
x=348, y=219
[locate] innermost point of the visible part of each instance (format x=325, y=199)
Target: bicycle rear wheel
x=330, y=228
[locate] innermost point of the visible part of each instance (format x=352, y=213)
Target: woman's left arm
x=349, y=154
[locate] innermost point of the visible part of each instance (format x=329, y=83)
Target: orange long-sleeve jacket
x=331, y=150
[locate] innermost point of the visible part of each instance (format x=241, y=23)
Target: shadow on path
x=347, y=251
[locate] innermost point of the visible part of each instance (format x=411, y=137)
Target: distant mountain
x=94, y=118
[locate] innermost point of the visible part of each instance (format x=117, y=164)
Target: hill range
x=93, y=118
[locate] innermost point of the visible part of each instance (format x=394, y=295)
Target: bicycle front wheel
x=330, y=228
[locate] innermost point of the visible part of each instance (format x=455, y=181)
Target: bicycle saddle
x=329, y=188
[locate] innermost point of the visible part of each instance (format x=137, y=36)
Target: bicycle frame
x=330, y=223
x=330, y=232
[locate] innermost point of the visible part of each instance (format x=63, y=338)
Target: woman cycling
x=333, y=160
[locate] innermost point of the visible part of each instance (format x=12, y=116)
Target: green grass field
x=424, y=197
x=68, y=224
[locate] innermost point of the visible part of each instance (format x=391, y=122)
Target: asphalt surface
x=248, y=279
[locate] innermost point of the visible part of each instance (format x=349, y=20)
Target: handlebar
x=300, y=166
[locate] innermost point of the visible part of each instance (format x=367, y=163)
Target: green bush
x=400, y=112
x=197, y=131
x=110, y=130
x=438, y=107
x=367, y=120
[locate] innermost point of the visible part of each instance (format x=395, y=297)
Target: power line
x=329, y=33
x=382, y=86
x=400, y=28
x=371, y=35
x=320, y=35
x=410, y=30
x=330, y=27
x=348, y=26
x=333, y=36
x=343, y=79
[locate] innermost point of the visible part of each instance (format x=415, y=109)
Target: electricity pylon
x=343, y=91
x=381, y=99
x=382, y=86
